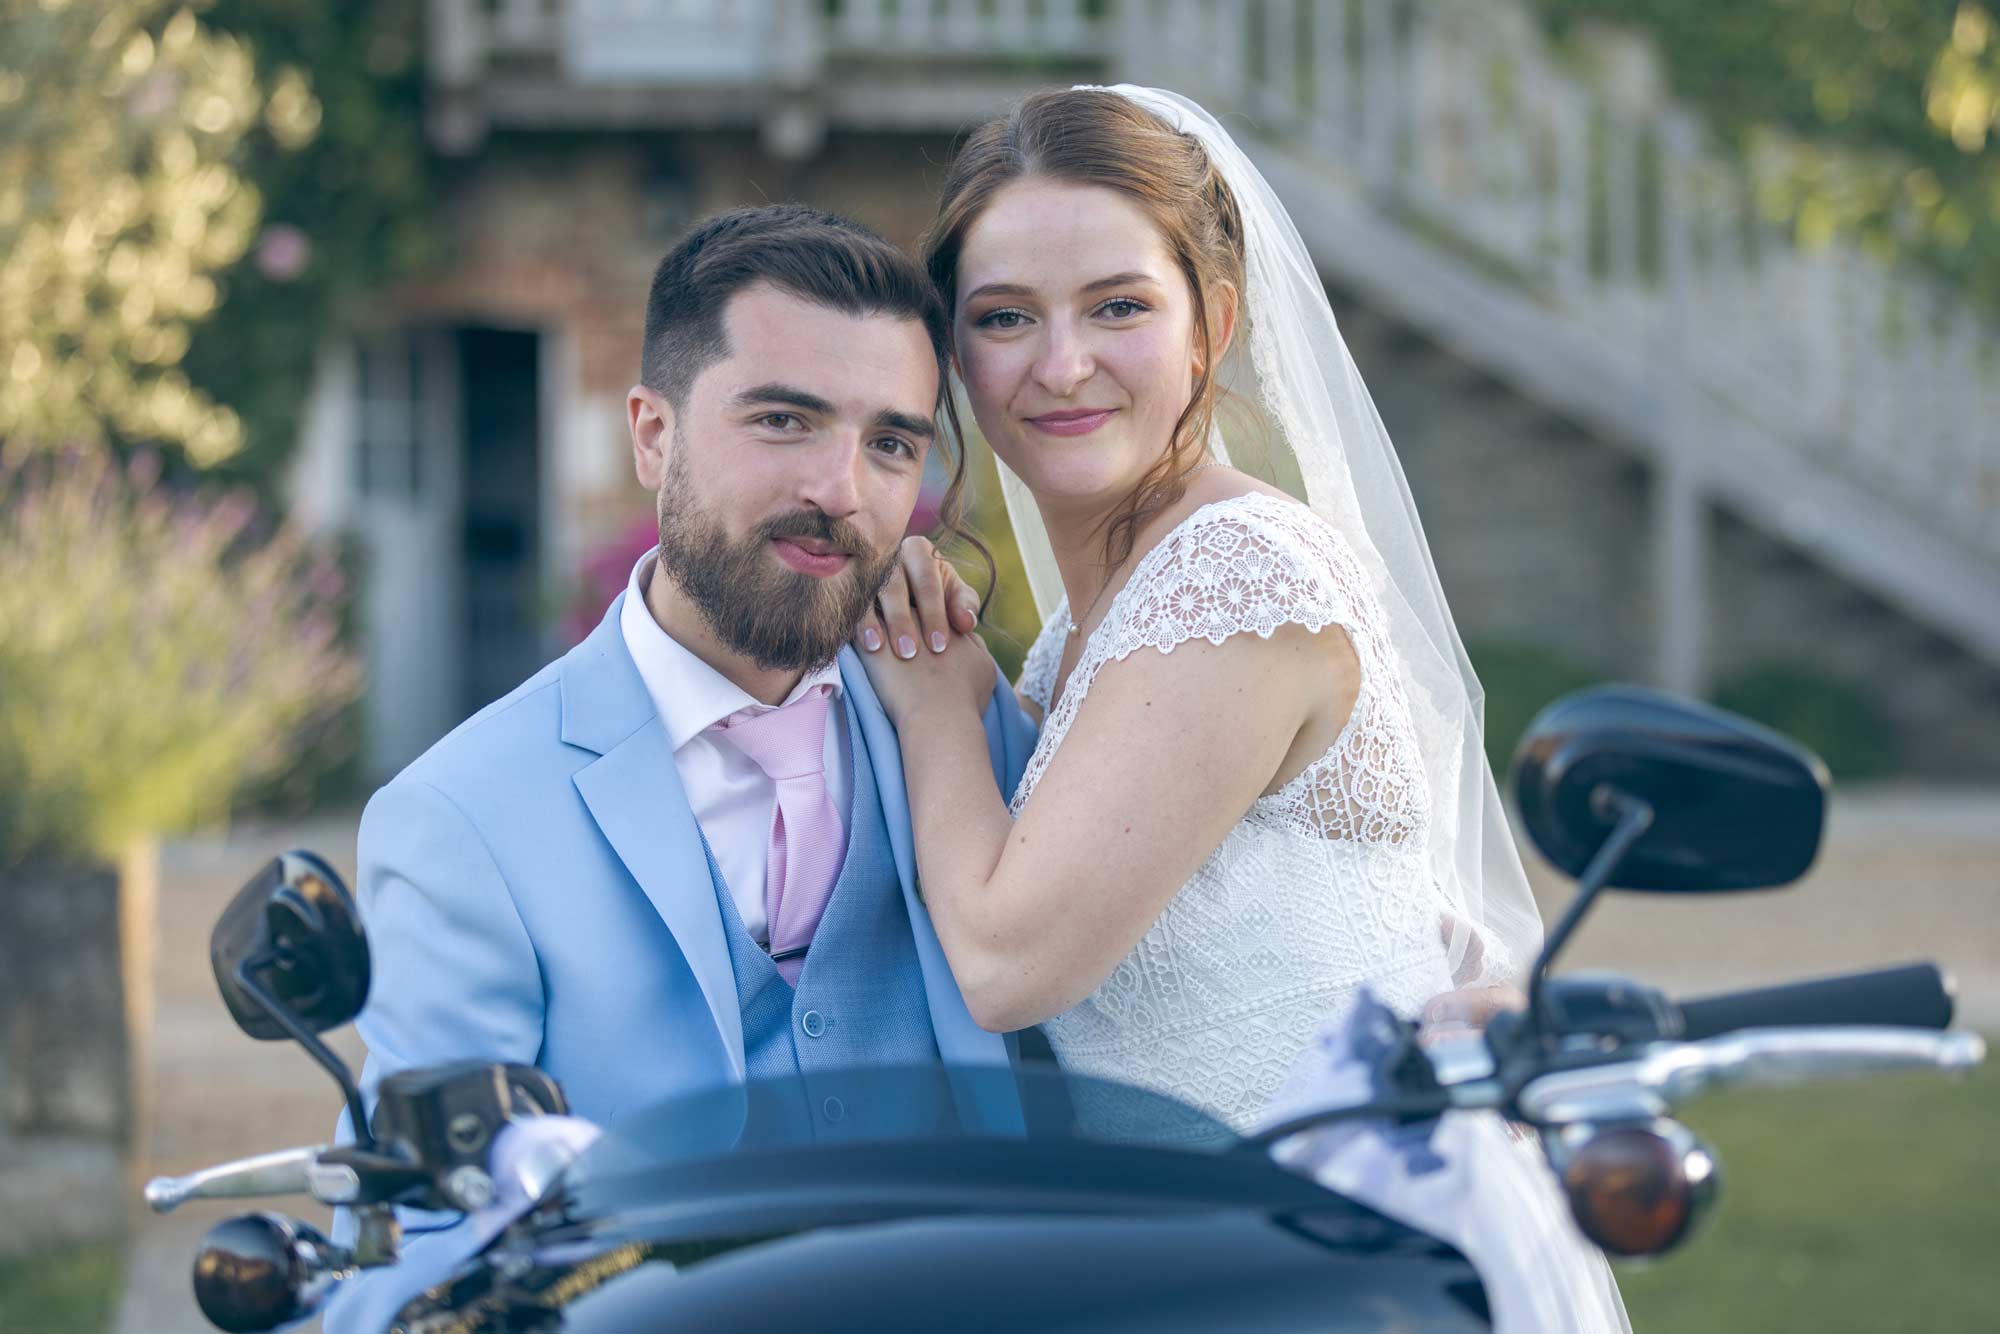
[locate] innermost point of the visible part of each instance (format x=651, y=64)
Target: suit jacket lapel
x=634, y=793
x=960, y=1041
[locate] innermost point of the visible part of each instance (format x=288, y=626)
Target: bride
x=1260, y=780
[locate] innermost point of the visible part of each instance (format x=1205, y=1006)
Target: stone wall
x=1543, y=535
x=67, y=1099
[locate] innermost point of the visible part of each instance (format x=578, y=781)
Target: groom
x=680, y=855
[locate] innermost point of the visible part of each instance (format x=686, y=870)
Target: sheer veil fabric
x=1298, y=416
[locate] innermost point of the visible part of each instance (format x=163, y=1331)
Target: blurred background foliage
x=1874, y=119
x=160, y=650
x=120, y=202
x=348, y=204
x=191, y=198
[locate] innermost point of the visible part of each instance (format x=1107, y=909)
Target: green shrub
x=1837, y=720
x=1520, y=681
x=159, y=651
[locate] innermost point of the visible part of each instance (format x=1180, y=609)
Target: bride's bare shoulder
x=1213, y=484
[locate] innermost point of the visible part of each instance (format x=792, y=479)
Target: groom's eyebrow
x=789, y=396
x=783, y=396
x=894, y=420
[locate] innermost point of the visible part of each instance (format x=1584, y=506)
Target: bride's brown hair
x=1089, y=136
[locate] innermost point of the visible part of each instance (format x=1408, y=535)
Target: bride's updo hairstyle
x=1090, y=136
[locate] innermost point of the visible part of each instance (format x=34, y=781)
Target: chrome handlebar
x=288, y=1172
x=1666, y=1074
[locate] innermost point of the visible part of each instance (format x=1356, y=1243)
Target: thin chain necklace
x=1112, y=573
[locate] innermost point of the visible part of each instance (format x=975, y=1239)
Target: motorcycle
x=1023, y=1198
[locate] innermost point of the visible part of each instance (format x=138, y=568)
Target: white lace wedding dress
x=1322, y=885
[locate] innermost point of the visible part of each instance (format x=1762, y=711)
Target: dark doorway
x=500, y=375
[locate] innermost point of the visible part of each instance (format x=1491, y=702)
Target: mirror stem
x=319, y=1051
x=1634, y=818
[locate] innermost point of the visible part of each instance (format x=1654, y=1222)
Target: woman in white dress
x=1260, y=781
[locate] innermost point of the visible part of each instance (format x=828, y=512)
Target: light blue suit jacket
x=534, y=890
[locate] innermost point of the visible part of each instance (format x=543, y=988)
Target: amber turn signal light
x=1639, y=1189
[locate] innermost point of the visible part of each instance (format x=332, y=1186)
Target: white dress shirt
x=732, y=798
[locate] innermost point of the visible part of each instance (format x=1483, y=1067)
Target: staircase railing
x=1604, y=204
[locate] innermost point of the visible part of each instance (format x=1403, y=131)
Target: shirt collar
x=689, y=695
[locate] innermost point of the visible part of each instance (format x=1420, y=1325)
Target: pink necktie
x=808, y=843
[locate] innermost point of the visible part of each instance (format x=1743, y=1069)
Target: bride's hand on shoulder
x=917, y=642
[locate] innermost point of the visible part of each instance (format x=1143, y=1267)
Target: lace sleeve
x=1250, y=563
x=1253, y=563
x=1038, y=669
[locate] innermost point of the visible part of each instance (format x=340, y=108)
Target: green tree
x=1883, y=111
x=346, y=183
x=120, y=123
x=191, y=197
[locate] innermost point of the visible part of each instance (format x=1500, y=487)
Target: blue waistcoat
x=860, y=999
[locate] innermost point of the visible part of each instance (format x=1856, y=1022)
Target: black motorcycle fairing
x=878, y=1235
x=1105, y=1199
x=1235, y=1270
x=777, y=1191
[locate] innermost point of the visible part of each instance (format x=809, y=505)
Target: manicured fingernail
x=872, y=640
x=937, y=641
x=906, y=647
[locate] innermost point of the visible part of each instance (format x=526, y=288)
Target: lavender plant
x=160, y=650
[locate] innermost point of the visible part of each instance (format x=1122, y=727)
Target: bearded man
x=680, y=856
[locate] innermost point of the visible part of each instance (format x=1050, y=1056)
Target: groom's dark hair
x=811, y=254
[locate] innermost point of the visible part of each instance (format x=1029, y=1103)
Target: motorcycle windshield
x=919, y=1198
x=928, y=1104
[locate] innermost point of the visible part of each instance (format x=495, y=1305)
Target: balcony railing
x=659, y=43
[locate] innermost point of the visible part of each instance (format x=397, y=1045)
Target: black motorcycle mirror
x=292, y=962
x=1626, y=788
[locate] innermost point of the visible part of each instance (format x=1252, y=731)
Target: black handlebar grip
x=1918, y=995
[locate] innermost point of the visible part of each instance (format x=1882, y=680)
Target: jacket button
x=813, y=1022
x=833, y=1109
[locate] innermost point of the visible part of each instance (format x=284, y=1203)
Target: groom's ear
x=651, y=419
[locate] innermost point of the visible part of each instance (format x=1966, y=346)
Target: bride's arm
x=1166, y=753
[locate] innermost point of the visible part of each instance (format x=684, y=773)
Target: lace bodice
x=1321, y=886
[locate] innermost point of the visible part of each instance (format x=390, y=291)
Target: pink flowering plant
x=161, y=649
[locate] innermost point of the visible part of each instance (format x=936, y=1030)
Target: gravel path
x=1905, y=875
x=218, y=1094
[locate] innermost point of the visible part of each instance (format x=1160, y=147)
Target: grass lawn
x=63, y=1292
x=1870, y=1205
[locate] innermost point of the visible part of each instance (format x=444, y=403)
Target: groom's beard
x=775, y=616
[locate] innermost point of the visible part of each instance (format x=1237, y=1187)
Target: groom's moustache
x=819, y=526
